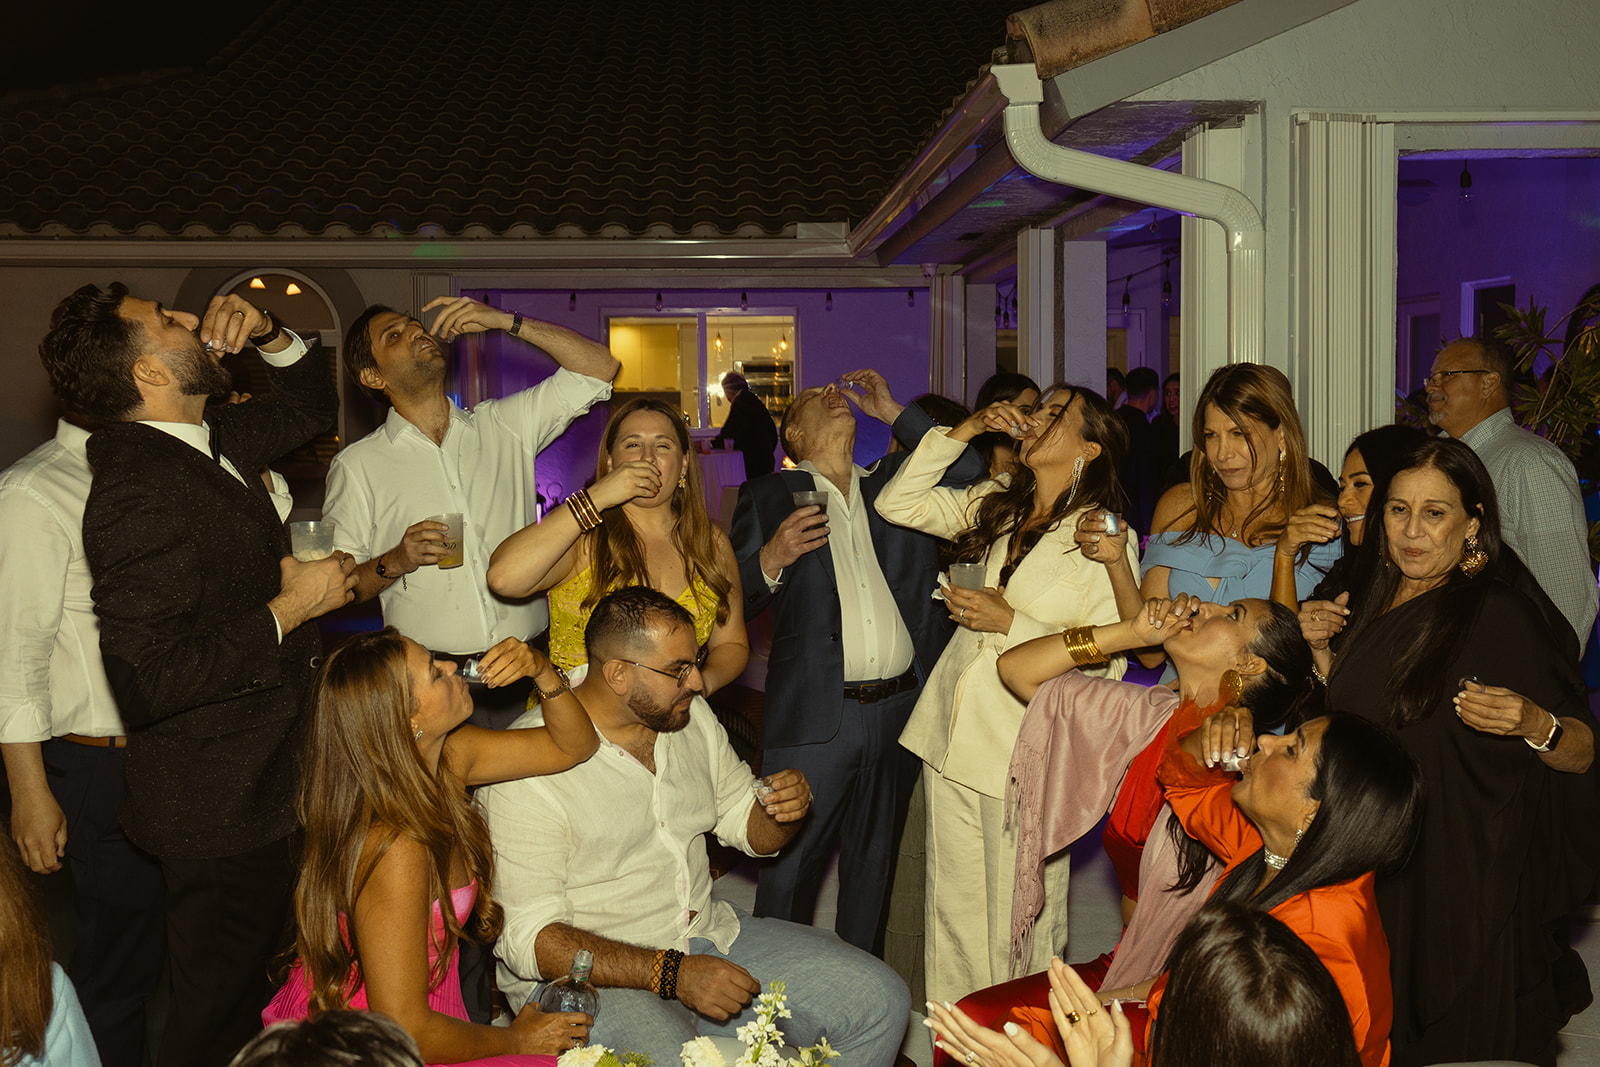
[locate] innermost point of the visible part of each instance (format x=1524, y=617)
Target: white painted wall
x=1475, y=56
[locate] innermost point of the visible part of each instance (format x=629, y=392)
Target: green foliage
x=1565, y=405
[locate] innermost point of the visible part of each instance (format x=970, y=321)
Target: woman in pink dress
x=397, y=864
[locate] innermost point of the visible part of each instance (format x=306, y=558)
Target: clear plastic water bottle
x=574, y=992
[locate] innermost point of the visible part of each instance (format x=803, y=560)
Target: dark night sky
x=67, y=42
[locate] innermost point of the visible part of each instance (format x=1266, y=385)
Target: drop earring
x=417, y=734
x=1077, y=476
x=683, y=478
x=1230, y=688
x=1282, y=455
x=1473, y=558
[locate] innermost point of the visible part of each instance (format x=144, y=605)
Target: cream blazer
x=966, y=721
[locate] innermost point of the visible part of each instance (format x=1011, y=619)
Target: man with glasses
x=610, y=856
x=1541, y=510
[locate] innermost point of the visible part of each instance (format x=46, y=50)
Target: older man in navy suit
x=206, y=626
x=855, y=632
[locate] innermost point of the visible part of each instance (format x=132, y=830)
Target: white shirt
x=52, y=681
x=877, y=644
x=612, y=849
x=1541, y=513
x=396, y=476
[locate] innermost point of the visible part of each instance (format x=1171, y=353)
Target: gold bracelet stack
x=1081, y=646
x=584, y=511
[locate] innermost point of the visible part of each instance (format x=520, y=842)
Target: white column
x=1036, y=304
x=1083, y=315
x=947, y=333
x=981, y=328
x=1343, y=299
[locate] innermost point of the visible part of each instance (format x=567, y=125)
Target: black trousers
x=227, y=920
x=861, y=780
x=117, y=900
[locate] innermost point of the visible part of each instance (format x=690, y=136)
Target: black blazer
x=805, y=675
x=184, y=559
x=753, y=433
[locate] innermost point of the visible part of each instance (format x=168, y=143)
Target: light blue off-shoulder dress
x=1241, y=571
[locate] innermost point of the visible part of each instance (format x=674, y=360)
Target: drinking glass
x=311, y=541
x=967, y=575
x=819, y=497
x=454, y=556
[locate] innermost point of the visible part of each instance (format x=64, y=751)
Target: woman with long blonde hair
x=643, y=522
x=1216, y=535
x=397, y=866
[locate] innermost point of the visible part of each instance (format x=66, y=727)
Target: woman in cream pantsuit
x=1021, y=528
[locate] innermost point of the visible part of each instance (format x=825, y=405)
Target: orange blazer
x=1339, y=922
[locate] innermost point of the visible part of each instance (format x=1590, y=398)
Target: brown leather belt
x=115, y=741
x=872, y=692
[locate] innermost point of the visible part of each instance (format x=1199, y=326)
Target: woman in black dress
x=1466, y=668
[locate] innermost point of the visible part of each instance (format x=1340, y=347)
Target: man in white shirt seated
x=430, y=458
x=611, y=856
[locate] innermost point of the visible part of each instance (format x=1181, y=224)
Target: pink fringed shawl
x=1077, y=738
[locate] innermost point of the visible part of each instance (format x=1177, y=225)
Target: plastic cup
x=967, y=575
x=311, y=541
x=819, y=497
x=453, y=554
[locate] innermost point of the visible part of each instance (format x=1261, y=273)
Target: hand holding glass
x=454, y=556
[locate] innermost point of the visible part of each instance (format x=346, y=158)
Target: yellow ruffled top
x=569, y=617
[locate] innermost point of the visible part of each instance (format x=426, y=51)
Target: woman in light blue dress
x=1215, y=536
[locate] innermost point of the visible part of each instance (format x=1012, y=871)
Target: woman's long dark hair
x=1383, y=450
x=1419, y=679
x=1244, y=989
x=1007, y=511
x=1274, y=697
x=1370, y=791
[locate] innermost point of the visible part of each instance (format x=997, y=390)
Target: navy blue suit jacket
x=805, y=675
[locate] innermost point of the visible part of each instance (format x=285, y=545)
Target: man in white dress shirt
x=432, y=458
x=64, y=744
x=610, y=856
x=1541, y=509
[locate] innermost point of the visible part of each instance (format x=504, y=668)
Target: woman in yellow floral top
x=643, y=522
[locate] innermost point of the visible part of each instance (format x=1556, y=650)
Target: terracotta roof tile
x=501, y=117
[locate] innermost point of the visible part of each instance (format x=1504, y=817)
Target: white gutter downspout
x=1222, y=204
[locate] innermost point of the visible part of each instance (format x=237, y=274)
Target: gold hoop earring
x=1473, y=558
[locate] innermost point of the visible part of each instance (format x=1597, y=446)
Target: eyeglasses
x=681, y=675
x=1438, y=377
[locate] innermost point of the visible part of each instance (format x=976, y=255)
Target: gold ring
x=1091, y=1011
x=1073, y=1018
x=1316, y=616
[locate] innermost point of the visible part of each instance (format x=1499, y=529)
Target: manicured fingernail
x=1012, y=1029
x=928, y=1023
x=949, y=1006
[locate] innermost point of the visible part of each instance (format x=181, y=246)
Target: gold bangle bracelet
x=584, y=511
x=1081, y=645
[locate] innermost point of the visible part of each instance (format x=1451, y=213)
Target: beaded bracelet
x=1081, y=645
x=669, y=974
x=655, y=972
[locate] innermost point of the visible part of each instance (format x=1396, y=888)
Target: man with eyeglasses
x=1541, y=510
x=610, y=856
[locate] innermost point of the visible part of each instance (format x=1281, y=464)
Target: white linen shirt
x=52, y=681
x=609, y=848
x=877, y=644
x=1541, y=513
x=396, y=476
